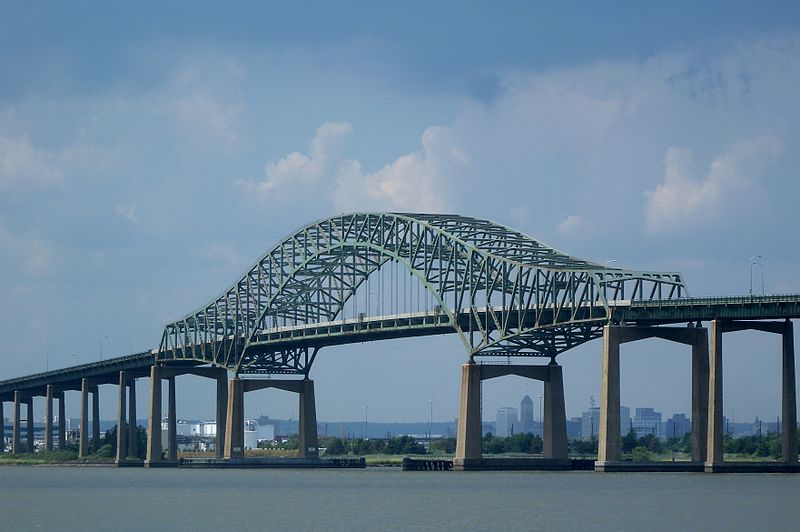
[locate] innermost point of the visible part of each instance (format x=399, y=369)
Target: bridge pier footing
x=154, y=449
x=308, y=444
x=468, y=442
x=610, y=441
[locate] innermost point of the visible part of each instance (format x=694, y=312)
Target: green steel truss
x=503, y=292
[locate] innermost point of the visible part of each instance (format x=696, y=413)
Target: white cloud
x=128, y=211
x=32, y=256
x=300, y=169
x=570, y=224
x=21, y=164
x=414, y=182
x=683, y=198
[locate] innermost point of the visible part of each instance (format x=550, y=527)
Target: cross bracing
x=503, y=293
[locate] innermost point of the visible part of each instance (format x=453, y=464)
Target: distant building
x=677, y=426
x=526, y=415
x=507, y=423
x=574, y=428
x=648, y=421
x=590, y=423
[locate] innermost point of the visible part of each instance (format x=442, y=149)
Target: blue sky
x=149, y=154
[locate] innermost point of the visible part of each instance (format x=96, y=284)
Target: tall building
x=526, y=415
x=678, y=425
x=507, y=424
x=648, y=421
x=590, y=422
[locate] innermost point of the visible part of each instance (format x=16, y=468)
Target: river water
x=95, y=498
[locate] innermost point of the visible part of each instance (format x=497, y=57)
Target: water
x=92, y=498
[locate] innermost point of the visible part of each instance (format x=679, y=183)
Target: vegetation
x=400, y=445
x=518, y=443
x=106, y=450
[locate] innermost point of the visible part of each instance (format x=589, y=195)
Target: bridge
x=374, y=276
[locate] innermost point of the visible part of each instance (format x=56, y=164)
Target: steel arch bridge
x=369, y=276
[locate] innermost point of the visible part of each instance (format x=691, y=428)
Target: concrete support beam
x=95, y=417
x=222, y=411
x=555, y=416
x=62, y=422
x=308, y=440
x=29, y=424
x=122, y=414
x=172, y=422
x=48, y=418
x=715, y=449
x=133, y=441
x=700, y=377
x=610, y=443
x=154, y=419
x=789, y=397
x=234, y=434
x=15, y=434
x=83, y=445
x=468, y=442
x=2, y=429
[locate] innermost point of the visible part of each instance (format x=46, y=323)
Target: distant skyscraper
x=526, y=415
x=624, y=420
x=648, y=421
x=507, y=423
x=590, y=423
x=678, y=425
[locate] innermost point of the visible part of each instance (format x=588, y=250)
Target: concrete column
x=2, y=429
x=309, y=442
x=48, y=418
x=95, y=417
x=468, y=442
x=83, y=445
x=172, y=422
x=29, y=423
x=234, y=434
x=789, y=402
x=715, y=449
x=555, y=416
x=122, y=414
x=62, y=422
x=610, y=443
x=154, y=419
x=222, y=407
x=133, y=441
x=700, y=396
x=15, y=431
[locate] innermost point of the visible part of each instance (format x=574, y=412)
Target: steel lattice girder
x=520, y=295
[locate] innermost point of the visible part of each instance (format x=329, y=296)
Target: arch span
x=503, y=292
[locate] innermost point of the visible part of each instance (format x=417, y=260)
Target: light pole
x=101, y=345
x=430, y=425
x=753, y=261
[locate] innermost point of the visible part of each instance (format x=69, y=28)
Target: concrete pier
x=62, y=422
x=714, y=448
x=83, y=438
x=308, y=444
x=234, y=436
x=2, y=430
x=154, y=449
x=133, y=442
x=122, y=435
x=172, y=421
x=468, y=437
x=222, y=411
x=48, y=418
x=468, y=443
x=789, y=397
x=95, y=417
x=610, y=443
x=15, y=428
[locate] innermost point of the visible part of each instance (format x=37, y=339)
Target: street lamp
x=753, y=262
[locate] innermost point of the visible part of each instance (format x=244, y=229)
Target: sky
x=150, y=153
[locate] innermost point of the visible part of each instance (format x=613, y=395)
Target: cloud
x=23, y=165
x=300, y=169
x=128, y=211
x=683, y=199
x=414, y=182
x=33, y=256
x=570, y=224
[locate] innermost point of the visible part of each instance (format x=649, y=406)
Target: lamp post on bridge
x=753, y=262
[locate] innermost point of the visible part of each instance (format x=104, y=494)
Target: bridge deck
x=661, y=312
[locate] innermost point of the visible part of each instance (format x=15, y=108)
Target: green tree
x=641, y=454
x=629, y=442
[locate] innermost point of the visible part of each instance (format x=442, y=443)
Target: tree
x=629, y=442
